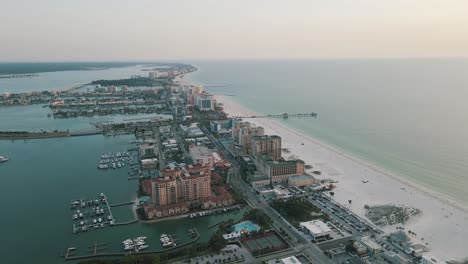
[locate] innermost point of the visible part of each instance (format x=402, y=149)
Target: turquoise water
x=408, y=116
x=246, y=225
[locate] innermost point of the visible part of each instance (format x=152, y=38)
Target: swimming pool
x=249, y=225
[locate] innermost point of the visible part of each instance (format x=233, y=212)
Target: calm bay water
x=42, y=177
x=47, y=81
x=408, y=116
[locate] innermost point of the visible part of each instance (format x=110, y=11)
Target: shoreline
x=379, y=169
x=437, y=209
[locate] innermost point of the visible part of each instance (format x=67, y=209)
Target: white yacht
x=142, y=247
x=3, y=159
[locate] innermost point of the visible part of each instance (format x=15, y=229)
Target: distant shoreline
x=32, y=135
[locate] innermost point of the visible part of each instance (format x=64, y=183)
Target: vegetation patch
x=383, y=215
x=298, y=210
x=132, y=82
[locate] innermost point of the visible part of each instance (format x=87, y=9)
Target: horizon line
x=240, y=59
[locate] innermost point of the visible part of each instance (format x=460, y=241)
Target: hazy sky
x=61, y=30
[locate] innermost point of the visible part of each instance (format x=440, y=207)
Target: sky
x=122, y=30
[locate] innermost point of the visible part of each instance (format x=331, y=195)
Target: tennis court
x=264, y=244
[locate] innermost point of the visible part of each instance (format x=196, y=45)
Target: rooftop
x=200, y=152
x=316, y=227
x=291, y=260
x=370, y=243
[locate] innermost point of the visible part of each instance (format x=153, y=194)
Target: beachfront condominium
x=176, y=185
x=246, y=134
x=278, y=170
x=237, y=124
x=270, y=145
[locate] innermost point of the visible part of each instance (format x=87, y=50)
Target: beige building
x=178, y=185
x=246, y=135
x=279, y=170
x=236, y=127
x=270, y=145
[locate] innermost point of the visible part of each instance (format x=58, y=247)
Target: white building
x=315, y=228
x=287, y=260
x=372, y=246
x=201, y=155
x=157, y=74
x=291, y=260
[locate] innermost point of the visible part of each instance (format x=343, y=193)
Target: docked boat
x=3, y=159
x=75, y=204
x=103, y=166
x=169, y=244
x=142, y=247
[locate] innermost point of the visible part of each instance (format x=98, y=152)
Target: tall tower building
x=270, y=145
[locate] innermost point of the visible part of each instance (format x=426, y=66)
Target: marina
x=92, y=214
x=115, y=160
x=135, y=246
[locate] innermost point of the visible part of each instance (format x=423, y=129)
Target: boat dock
x=96, y=254
x=121, y=204
x=93, y=214
x=97, y=247
x=214, y=211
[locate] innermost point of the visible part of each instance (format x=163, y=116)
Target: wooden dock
x=121, y=204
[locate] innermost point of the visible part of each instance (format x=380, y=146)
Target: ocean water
x=408, y=116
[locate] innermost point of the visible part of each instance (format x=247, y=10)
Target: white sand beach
x=443, y=222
